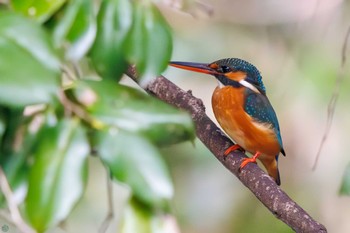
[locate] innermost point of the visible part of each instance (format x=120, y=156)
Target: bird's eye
x=225, y=69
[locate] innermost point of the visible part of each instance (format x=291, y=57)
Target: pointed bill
x=193, y=66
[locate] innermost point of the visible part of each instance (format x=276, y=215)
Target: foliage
x=60, y=64
x=345, y=186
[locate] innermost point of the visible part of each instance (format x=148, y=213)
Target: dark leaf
x=113, y=24
x=15, y=142
x=149, y=42
x=16, y=169
x=16, y=147
x=2, y=125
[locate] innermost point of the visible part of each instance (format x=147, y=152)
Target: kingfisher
x=243, y=110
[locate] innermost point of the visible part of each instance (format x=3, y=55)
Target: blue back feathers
x=260, y=109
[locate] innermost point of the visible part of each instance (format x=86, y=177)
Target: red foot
x=249, y=160
x=233, y=148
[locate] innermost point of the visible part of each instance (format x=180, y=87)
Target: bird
x=243, y=110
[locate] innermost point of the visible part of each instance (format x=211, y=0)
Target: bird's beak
x=192, y=66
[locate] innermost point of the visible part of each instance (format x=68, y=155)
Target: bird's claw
x=245, y=163
x=248, y=160
x=233, y=148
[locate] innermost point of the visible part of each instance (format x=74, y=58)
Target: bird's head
x=229, y=72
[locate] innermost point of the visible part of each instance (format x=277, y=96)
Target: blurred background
x=297, y=47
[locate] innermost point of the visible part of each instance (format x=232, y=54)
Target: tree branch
x=260, y=184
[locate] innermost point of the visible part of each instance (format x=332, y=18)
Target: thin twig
x=79, y=111
x=69, y=74
x=11, y=202
x=260, y=184
x=333, y=101
x=110, y=214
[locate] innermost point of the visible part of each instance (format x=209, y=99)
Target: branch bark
x=260, y=184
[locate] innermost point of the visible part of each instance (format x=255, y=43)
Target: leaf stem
x=14, y=211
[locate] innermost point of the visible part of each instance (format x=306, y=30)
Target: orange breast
x=227, y=103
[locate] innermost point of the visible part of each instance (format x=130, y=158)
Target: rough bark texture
x=260, y=184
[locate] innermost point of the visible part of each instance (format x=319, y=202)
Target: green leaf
x=139, y=219
x=134, y=111
x=58, y=175
x=77, y=27
x=113, y=24
x=136, y=162
x=136, y=219
x=2, y=125
x=13, y=121
x=29, y=67
x=41, y=10
x=149, y=42
x=16, y=168
x=345, y=186
x=15, y=140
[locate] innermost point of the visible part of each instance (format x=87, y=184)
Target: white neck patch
x=249, y=85
x=243, y=83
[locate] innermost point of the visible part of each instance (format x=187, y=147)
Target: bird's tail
x=272, y=169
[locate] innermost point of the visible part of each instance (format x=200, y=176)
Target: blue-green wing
x=259, y=107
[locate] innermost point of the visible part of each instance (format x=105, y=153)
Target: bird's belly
x=227, y=105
